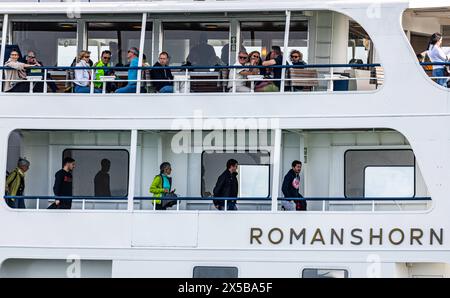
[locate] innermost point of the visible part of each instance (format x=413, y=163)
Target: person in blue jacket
x=133, y=58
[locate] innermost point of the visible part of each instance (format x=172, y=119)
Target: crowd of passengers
x=158, y=80
x=224, y=197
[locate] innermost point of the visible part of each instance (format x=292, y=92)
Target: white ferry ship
x=363, y=115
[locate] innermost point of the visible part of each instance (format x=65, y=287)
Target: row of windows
x=368, y=173
x=57, y=42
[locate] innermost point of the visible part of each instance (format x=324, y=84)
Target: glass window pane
x=325, y=273
x=360, y=49
x=198, y=43
x=214, y=163
x=54, y=43
x=115, y=37
x=215, y=272
x=98, y=172
x=254, y=181
x=261, y=36
x=389, y=182
x=356, y=162
x=298, y=38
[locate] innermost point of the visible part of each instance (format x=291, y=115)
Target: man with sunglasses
x=133, y=58
x=38, y=86
x=105, y=61
x=296, y=59
x=240, y=74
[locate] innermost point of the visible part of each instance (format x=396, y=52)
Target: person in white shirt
x=83, y=76
x=241, y=73
x=437, y=54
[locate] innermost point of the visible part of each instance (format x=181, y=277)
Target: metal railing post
x=91, y=91
x=45, y=80
x=185, y=80
x=234, y=81
x=3, y=48
x=285, y=48
x=331, y=88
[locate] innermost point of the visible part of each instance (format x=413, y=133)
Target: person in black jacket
x=63, y=185
x=227, y=186
x=162, y=74
x=290, y=188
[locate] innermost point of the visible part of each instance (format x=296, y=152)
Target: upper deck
x=328, y=33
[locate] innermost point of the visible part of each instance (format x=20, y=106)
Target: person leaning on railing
x=83, y=76
x=17, y=73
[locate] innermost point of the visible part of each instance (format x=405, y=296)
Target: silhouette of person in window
x=101, y=180
x=203, y=54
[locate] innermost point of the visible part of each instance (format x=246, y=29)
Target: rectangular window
x=379, y=173
x=253, y=181
x=261, y=36
x=360, y=48
x=392, y=181
x=54, y=43
x=116, y=37
x=99, y=172
x=215, y=272
x=250, y=163
x=324, y=273
x=198, y=43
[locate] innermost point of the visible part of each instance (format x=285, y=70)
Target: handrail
x=192, y=67
x=143, y=198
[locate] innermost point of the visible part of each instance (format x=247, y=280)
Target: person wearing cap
x=133, y=58
x=15, y=184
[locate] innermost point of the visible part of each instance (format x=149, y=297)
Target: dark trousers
x=63, y=204
x=16, y=203
x=300, y=205
x=20, y=87
x=220, y=205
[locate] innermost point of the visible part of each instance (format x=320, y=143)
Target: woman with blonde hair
x=83, y=76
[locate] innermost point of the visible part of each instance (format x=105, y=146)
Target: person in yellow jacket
x=15, y=184
x=105, y=59
x=162, y=185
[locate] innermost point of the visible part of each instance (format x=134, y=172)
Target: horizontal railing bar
x=200, y=67
x=363, y=199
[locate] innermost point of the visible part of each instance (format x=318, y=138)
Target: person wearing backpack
x=15, y=184
x=162, y=187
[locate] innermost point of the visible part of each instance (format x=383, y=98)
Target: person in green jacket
x=15, y=184
x=162, y=185
x=104, y=62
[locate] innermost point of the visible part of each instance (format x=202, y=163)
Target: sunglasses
x=295, y=57
x=255, y=56
x=31, y=57
x=106, y=57
x=240, y=57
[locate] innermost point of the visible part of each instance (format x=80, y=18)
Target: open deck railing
x=220, y=79
x=255, y=200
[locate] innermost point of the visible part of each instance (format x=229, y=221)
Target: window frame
x=374, y=165
x=346, y=271
x=238, y=151
x=196, y=267
x=105, y=149
x=391, y=166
